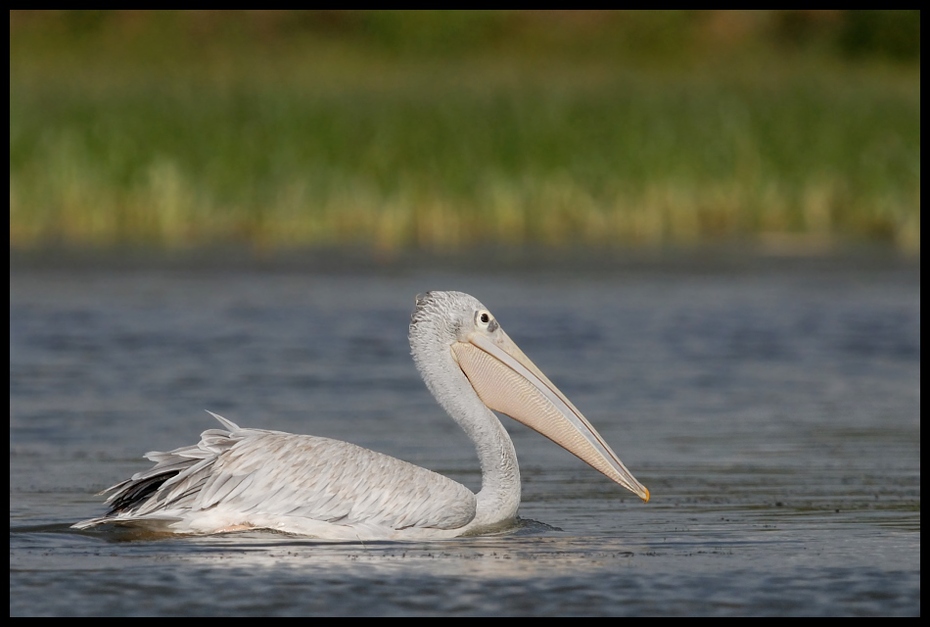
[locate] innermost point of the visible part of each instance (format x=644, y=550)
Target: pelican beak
x=508, y=382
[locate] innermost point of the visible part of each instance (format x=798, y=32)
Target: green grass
x=326, y=143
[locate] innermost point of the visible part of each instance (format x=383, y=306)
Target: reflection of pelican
x=237, y=479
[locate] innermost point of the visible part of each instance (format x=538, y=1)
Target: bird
x=238, y=479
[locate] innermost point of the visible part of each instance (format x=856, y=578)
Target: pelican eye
x=485, y=320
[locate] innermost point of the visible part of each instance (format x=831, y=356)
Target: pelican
x=239, y=479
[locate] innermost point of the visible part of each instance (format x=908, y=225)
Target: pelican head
x=463, y=336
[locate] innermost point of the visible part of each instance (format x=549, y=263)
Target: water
x=771, y=408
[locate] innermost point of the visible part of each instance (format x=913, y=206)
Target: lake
x=771, y=406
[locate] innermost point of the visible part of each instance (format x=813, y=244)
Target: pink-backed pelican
x=236, y=479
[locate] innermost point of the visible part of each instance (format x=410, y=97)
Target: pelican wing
x=242, y=477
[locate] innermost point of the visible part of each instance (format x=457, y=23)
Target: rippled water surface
x=772, y=409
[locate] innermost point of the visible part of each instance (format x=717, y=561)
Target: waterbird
x=239, y=479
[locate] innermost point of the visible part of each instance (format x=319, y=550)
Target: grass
x=321, y=143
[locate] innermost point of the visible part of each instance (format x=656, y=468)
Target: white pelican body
x=236, y=479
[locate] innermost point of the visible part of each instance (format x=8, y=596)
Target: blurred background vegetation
x=445, y=130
